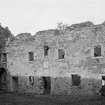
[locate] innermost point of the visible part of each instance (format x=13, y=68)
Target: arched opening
x=3, y=79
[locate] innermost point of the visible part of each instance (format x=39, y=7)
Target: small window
x=76, y=80
x=31, y=56
x=46, y=48
x=4, y=57
x=103, y=77
x=15, y=79
x=103, y=80
x=97, y=51
x=31, y=80
x=0, y=57
x=61, y=53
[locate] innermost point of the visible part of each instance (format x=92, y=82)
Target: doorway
x=102, y=90
x=3, y=79
x=46, y=84
x=15, y=83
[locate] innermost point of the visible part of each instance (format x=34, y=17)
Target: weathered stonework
x=78, y=44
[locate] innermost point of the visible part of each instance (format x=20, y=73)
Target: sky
x=35, y=15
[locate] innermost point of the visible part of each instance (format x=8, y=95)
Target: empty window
x=4, y=57
x=0, y=57
x=61, y=53
x=103, y=80
x=31, y=80
x=46, y=48
x=103, y=77
x=76, y=80
x=97, y=51
x=15, y=78
x=31, y=56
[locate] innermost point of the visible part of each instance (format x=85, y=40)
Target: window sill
x=30, y=61
x=60, y=60
x=99, y=57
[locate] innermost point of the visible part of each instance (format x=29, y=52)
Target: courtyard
x=32, y=99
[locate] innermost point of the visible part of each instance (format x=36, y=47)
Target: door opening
x=47, y=84
x=102, y=90
x=15, y=83
x=3, y=79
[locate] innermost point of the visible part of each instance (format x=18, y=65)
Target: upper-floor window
x=46, y=48
x=61, y=53
x=97, y=51
x=31, y=56
x=3, y=57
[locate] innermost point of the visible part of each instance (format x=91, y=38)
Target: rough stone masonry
x=52, y=62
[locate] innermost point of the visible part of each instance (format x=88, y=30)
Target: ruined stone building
x=5, y=35
x=70, y=62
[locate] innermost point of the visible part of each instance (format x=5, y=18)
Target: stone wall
x=78, y=45
x=64, y=86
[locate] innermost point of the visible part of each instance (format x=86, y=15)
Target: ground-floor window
x=76, y=80
x=31, y=80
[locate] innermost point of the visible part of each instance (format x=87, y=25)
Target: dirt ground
x=29, y=99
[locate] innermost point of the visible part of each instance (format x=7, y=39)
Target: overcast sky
x=34, y=15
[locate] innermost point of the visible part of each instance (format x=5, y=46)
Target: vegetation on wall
x=5, y=35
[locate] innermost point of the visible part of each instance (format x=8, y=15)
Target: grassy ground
x=26, y=99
